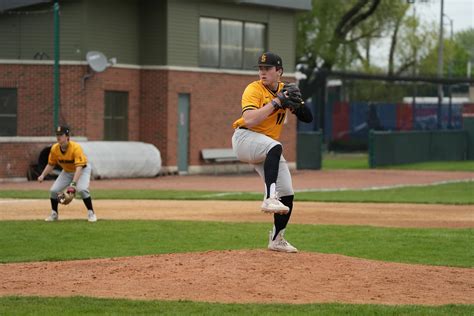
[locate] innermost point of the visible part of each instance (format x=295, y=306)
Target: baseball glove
x=65, y=197
x=290, y=97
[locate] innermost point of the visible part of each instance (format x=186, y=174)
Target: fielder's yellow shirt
x=255, y=96
x=72, y=158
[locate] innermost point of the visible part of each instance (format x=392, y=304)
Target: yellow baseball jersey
x=255, y=96
x=72, y=158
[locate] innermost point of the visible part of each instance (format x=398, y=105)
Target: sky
x=460, y=11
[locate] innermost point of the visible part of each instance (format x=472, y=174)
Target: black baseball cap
x=62, y=130
x=269, y=59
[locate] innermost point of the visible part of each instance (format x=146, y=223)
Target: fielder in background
x=75, y=176
x=265, y=104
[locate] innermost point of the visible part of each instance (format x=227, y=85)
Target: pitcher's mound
x=244, y=276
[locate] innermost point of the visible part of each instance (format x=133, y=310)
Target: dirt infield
x=375, y=214
x=244, y=276
x=250, y=182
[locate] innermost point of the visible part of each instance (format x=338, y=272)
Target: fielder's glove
x=67, y=195
x=290, y=97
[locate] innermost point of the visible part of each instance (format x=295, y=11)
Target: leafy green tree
x=466, y=40
x=455, y=59
x=385, y=22
x=414, y=42
x=341, y=34
x=323, y=31
x=322, y=34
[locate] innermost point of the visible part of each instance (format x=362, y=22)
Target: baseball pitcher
x=265, y=104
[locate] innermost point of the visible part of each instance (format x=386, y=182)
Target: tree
x=323, y=31
x=455, y=59
x=323, y=42
x=341, y=34
x=458, y=51
x=321, y=34
x=385, y=22
x=409, y=40
x=466, y=40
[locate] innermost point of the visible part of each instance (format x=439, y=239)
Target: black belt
x=241, y=127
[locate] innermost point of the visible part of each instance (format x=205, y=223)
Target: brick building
x=181, y=68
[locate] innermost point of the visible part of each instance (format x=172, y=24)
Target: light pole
x=415, y=92
x=440, y=65
x=450, y=72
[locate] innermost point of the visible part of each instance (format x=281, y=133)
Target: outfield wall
x=469, y=127
x=353, y=120
x=309, y=150
x=394, y=148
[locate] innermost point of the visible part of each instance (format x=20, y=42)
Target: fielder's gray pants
x=65, y=178
x=252, y=147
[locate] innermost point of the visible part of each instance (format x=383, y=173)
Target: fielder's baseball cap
x=269, y=59
x=62, y=130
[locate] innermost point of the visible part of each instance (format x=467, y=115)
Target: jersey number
x=280, y=118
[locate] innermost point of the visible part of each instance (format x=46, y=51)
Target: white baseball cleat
x=280, y=243
x=91, y=216
x=274, y=206
x=53, y=217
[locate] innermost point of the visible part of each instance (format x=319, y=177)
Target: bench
x=219, y=155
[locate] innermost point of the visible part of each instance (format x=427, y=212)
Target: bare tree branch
x=404, y=67
x=341, y=29
x=355, y=19
x=393, y=45
x=369, y=33
x=348, y=22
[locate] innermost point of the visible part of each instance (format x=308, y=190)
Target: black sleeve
x=303, y=113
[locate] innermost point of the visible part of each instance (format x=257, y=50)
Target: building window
x=8, y=110
x=209, y=42
x=115, y=115
x=254, y=45
x=230, y=43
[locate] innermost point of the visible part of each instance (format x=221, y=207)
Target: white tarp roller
x=116, y=159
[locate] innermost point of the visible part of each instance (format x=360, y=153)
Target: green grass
x=25, y=241
x=122, y=194
x=449, y=193
x=345, y=161
x=360, y=161
x=94, y=306
x=467, y=165
x=22, y=241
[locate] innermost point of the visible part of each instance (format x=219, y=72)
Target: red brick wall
x=152, y=117
x=34, y=85
x=15, y=158
x=215, y=105
x=154, y=110
x=81, y=101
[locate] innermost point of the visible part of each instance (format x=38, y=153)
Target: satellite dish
x=97, y=61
